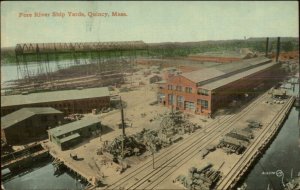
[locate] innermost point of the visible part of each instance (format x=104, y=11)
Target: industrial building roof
x=238, y=65
x=221, y=54
x=226, y=69
x=161, y=82
x=53, y=96
x=24, y=113
x=232, y=78
x=73, y=126
x=232, y=54
x=203, y=74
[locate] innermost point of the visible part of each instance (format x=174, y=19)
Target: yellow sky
x=147, y=21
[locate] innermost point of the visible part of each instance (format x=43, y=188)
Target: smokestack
x=267, y=47
x=278, y=49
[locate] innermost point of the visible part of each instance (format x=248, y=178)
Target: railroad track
x=161, y=156
x=252, y=151
x=159, y=176
x=184, y=151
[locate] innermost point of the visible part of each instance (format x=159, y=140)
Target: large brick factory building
x=67, y=101
x=206, y=90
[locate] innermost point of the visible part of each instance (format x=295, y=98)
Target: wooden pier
x=93, y=181
x=19, y=158
x=255, y=150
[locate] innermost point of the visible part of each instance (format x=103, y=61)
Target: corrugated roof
x=239, y=65
x=24, y=113
x=224, y=69
x=203, y=74
x=67, y=128
x=53, y=96
x=232, y=78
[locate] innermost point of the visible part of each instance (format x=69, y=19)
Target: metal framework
x=107, y=55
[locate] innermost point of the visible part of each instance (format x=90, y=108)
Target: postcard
x=150, y=95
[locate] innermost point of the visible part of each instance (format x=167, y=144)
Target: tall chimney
x=278, y=49
x=267, y=47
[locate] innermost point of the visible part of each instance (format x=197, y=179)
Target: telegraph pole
x=153, y=159
x=123, y=126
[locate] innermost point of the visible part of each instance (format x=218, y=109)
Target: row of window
x=188, y=90
x=203, y=103
x=188, y=105
x=180, y=88
x=203, y=92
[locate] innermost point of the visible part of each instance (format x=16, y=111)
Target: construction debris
x=150, y=139
x=173, y=125
x=236, y=141
x=254, y=124
x=207, y=150
x=73, y=117
x=124, y=146
x=204, y=178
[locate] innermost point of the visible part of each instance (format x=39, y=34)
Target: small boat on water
x=243, y=187
x=293, y=184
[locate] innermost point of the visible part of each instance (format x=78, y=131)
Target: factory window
x=170, y=98
x=179, y=88
x=204, y=103
x=189, y=105
x=180, y=100
x=198, y=102
x=203, y=92
x=169, y=87
x=188, y=89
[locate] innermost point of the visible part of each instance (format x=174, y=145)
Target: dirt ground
x=264, y=113
x=138, y=102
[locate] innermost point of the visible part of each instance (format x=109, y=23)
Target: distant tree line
x=171, y=49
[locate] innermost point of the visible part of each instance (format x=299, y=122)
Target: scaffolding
x=97, y=58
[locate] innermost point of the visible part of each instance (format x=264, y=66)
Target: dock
x=93, y=181
x=255, y=150
x=24, y=156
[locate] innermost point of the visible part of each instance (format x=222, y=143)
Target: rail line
x=252, y=151
x=163, y=154
x=190, y=147
x=160, y=175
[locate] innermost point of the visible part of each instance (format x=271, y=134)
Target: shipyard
x=129, y=114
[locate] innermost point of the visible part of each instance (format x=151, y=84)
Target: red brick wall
x=68, y=106
x=224, y=95
x=261, y=81
x=190, y=97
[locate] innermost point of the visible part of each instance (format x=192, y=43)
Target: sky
x=148, y=21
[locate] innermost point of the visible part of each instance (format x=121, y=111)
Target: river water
x=282, y=155
x=9, y=71
x=42, y=178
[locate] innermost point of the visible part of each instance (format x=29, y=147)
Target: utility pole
x=122, y=117
x=123, y=126
x=172, y=99
x=153, y=159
